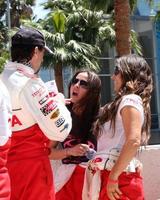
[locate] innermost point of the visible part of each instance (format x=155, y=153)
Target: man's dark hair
x=23, y=53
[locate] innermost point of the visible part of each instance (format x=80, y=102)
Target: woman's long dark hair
x=90, y=103
x=137, y=79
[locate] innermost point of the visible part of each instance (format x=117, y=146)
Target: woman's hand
x=68, y=101
x=113, y=191
x=78, y=150
x=139, y=168
x=59, y=97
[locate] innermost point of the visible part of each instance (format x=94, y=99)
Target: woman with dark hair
x=84, y=94
x=123, y=125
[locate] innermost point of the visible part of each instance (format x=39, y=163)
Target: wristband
x=111, y=181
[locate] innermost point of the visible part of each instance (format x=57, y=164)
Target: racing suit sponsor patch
x=43, y=100
x=59, y=122
x=39, y=92
x=55, y=114
x=48, y=108
x=65, y=127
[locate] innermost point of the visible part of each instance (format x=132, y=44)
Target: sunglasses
x=116, y=70
x=82, y=83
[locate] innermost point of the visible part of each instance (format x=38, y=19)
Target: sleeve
x=5, y=119
x=134, y=101
x=51, y=115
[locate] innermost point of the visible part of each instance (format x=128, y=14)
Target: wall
x=150, y=157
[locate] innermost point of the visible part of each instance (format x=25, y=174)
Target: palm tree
x=19, y=9
x=67, y=50
x=122, y=27
x=124, y=36
x=74, y=33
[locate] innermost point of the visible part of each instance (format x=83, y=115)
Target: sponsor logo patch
x=48, y=108
x=65, y=127
x=39, y=92
x=43, y=100
x=60, y=121
x=55, y=114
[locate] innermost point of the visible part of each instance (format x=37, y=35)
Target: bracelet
x=112, y=181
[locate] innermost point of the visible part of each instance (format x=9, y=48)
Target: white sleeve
x=5, y=120
x=52, y=116
x=134, y=101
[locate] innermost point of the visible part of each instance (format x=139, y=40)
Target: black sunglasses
x=116, y=70
x=82, y=83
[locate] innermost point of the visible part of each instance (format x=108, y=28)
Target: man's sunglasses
x=82, y=83
x=116, y=70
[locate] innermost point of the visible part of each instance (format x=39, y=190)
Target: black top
x=79, y=134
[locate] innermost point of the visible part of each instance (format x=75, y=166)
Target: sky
x=38, y=9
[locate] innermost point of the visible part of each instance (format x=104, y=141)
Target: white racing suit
x=5, y=133
x=5, y=115
x=32, y=105
x=37, y=117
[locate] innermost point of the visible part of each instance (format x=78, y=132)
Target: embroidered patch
x=55, y=114
x=48, y=108
x=43, y=100
x=39, y=92
x=60, y=121
x=65, y=127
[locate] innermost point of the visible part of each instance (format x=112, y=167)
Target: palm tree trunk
x=59, y=77
x=122, y=27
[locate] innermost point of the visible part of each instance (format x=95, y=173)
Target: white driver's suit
x=37, y=118
x=5, y=134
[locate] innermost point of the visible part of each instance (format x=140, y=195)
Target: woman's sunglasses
x=116, y=70
x=82, y=83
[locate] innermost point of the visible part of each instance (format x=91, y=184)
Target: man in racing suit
x=37, y=118
x=5, y=133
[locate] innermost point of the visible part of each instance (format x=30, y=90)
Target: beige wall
x=150, y=157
